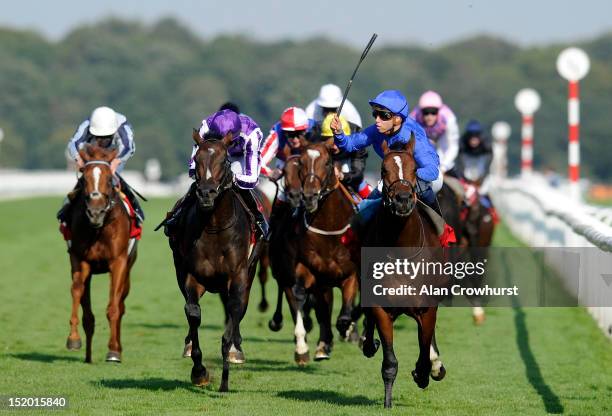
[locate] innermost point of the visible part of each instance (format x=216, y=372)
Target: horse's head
x=98, y=182
x=293, y=184
x=316, y=174
x=213, y=173
x=398, y=173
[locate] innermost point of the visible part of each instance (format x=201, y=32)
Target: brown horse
x=212, y=252
x=100, y=243
x=283, y=241
x=323, y=262
x=402, y=223
x=476, y=236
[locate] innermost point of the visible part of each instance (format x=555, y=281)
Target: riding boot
x=172, y=217
x=262, y=225
x=63, y=215
x=127, y=190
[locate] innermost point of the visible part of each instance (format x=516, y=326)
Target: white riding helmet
x=330, y=96
x=103, y=122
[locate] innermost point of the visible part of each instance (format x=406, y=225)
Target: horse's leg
x=437, y=368
x=276, y=323
x=309, y=305
x=323, y=309
x=89, y=321
x=115, y=309
x=194, y=290
x=369, y=344
x=262, y=273
x=238, y=300
x=80, y=271
x=389, y=367
x=301, y=355
x=345, y=323
x=426, y=326
x=181, y=276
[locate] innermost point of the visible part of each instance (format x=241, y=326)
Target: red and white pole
x=527, y=102
x=573, y=64
x=527, y=145
x=573, y=119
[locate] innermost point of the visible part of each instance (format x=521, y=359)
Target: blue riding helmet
x=392, y=100
x=473, y=127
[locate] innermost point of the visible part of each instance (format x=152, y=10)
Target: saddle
x=135, y=230
x=445, y=232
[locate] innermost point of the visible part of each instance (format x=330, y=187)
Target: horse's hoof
x=73, y=344
x=420, y=381
x=343, y=325
x=307, y=321
x=479, y=319
x=263, y=306
x=369, y=349
x=354, y=337
x=187, y=350
x=302, y=359
x=113, y=357
x=441, y=374
x=274, y=325
x=323, y=352
x=236, y=357
x=200, y=380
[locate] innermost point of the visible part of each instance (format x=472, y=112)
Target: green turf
x=522, y=361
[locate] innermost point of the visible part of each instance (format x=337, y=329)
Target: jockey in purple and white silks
x=244, y=156
x=243, y=152
x=440, y=125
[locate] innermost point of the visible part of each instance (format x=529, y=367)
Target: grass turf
x=522, y=361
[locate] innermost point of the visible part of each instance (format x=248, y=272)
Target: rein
x=110, y=198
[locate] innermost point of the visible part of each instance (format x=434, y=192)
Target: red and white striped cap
x=294, y=118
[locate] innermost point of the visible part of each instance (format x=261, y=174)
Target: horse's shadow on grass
x=331, y=397
x=151, y=384
x=43, y=358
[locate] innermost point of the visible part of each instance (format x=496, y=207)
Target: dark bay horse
x=477, y=228
x=400, y=222
x=213, y=251
x=283, y=241
x=100, y=243
x=323, y=262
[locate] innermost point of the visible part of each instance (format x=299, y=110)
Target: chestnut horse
x=400, y=222
x=323, y=262
x=100, y=243
x=212, y=252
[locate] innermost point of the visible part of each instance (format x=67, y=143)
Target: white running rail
x=543, y=216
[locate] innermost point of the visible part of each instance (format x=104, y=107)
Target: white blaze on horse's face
x=398, y=162
x=96, y=174
x=313, y=155
x=211, y=152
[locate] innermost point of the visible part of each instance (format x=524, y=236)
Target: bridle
x=226, y=179
x=324, y=182
x=388, y=191
x=110, y=200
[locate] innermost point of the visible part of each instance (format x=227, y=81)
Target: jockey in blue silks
x=396, y=132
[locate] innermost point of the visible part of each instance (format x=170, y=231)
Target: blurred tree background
x=165, y=80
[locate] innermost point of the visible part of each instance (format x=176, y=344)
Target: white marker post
x=1, y=136
x=527, y=102
x=573, y=64
x=501, y=132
